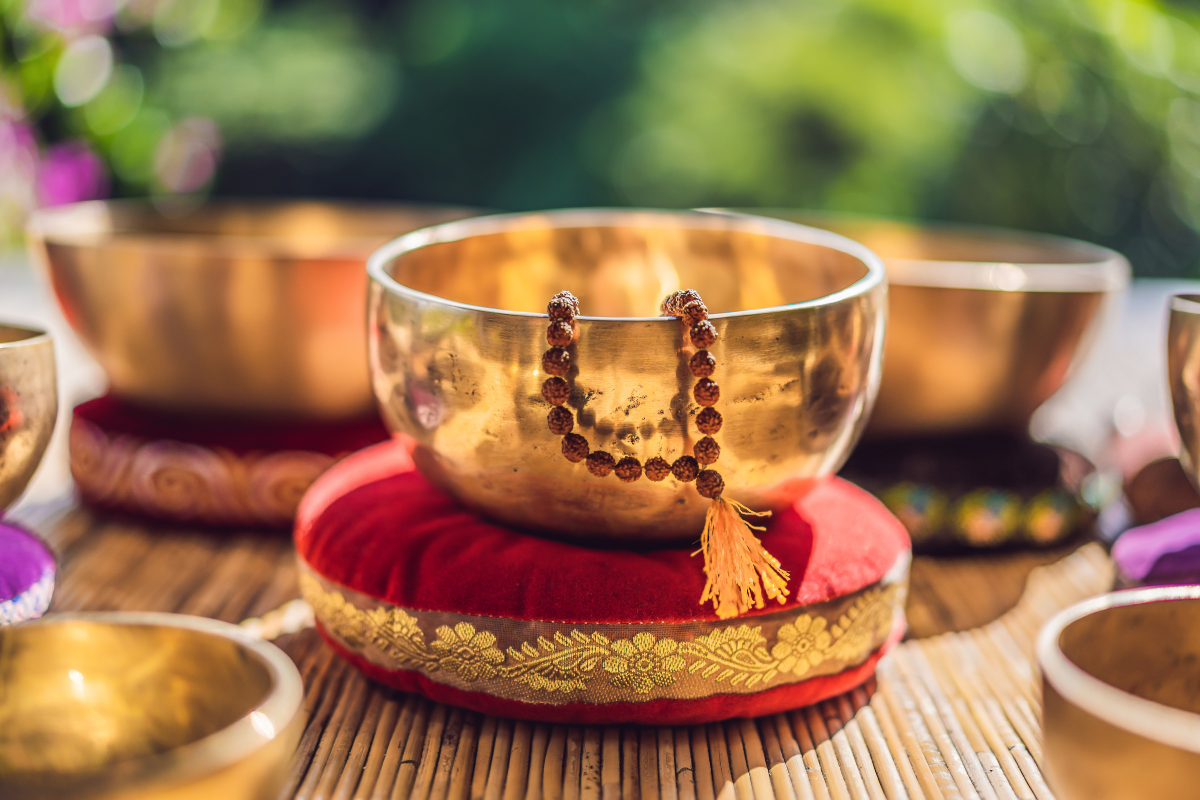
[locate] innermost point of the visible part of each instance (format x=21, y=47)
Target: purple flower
x=70, y=172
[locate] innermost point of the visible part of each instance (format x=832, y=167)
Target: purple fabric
x=1167, y=550
x=23, y=560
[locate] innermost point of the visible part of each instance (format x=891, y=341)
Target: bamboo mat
x=952, y=715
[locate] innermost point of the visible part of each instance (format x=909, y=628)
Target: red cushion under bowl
x=423, y=595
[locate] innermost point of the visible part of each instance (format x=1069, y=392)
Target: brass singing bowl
x=141, y=705
x=1183, y=376
x=984, y=324
x=458, y=328
x=245, y=308
x=1121, y=696
x=28, y=406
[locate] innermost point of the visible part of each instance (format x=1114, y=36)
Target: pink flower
x=70, y=172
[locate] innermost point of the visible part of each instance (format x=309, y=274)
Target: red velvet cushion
x=220, y=471
x=373, y=534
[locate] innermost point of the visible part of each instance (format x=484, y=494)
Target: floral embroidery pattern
x=467, y=653
x=585, y=663
x=641, y=663
x=803, y=644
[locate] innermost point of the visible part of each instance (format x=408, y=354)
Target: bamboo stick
x=685, y=773
x=590, y=779
x=464, y=759
x=447, y=755
x=610, y=765
x=395, y=749
x=537, y=762
x=517, y=779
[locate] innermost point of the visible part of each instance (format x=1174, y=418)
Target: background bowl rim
x=53, y=225
x=457, y=230
x=219, y=749
x=1185, y=303
x=1103, y=270
x=1123, y=710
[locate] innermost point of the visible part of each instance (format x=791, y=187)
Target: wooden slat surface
x=950, y=715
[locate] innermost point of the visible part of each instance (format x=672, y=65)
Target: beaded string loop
x=687, y=305
x=734, y=559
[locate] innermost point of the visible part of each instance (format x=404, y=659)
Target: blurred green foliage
x=1079, y=117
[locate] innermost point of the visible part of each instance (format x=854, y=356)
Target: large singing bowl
x=243, y=308
x=984, y=324
x=28, y=406
x=147, y=706
x=457, y=331
x=1183, y=376
x=1121, y=696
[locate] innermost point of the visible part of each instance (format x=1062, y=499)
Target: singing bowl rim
x=458, y=230
x=209, y=754
x=1123, y=710
x=1185, y=303
x=55, y=225
x=1100, y=269
x=35, y=336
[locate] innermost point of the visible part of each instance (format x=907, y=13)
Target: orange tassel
x=740, y=571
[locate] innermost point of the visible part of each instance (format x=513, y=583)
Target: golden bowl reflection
x=144, y=705
x=236, y=307
x=458, y=328
x=1121, y=696
x=984, y=324
x=1183, y=377
x=28, y=406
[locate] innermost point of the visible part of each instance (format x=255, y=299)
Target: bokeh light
x=83, y=70
x=186, y=156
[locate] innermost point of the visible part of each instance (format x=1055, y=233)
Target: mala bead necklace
x=738, y=568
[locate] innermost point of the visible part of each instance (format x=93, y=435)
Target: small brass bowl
x=458, y=328
x=28, y=406
x=984, y=323
x=238, y=308
x=144, y=705
x=1183, y=376
x=1121, y=696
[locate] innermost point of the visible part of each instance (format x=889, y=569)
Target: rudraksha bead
x=600, y=463
x=628, y=469
x=710, y=484
x=706, y=392
x=672, y=305
x=685, y=469
x=702, y=364
x=560, y=333
x=556, y=361
x=707, y=450
x=556, y=391
x=657, y=469
x=560, y=420
x=574, y=447
x=568, y=298
x=709, y=421
x=695, y=311
x=560, y=308
x=703, y=334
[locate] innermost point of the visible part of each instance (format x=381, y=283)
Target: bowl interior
x=81, y=696
x=626, y=270
x=1150, y=650
x=11, y=334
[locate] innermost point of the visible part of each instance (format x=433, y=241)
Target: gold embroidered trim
x=546, y=662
